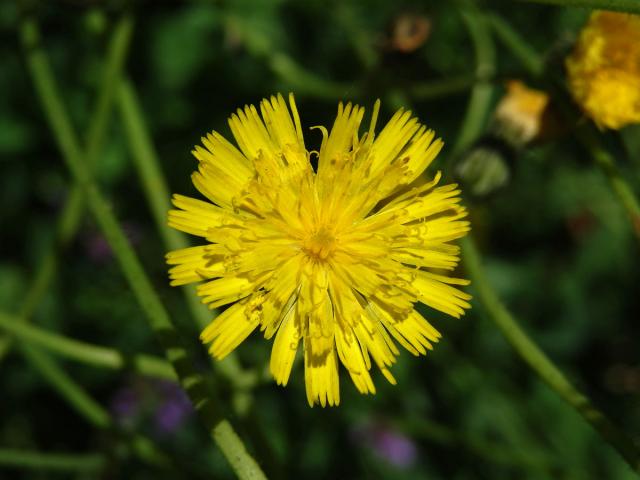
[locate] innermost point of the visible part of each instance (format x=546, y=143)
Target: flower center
x=320, y=245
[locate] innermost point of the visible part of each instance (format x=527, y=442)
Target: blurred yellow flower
x=334, y=258
x=604, y=69
x=522, y=110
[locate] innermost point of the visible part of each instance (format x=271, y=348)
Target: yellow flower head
x=335, y=257
x=604, y=69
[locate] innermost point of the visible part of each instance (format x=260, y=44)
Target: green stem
x=147, y=164
x=349, y=20
x=519, y=48
x=298, y=79
x=67, y=387
x=116, y=57
x=157, y=317
x=619, y=185
x=472, y=128
x=86, y=352
x=71, y=216
x=481, y=94
x=66, y=228
x=629, y=6
x=157, y=194
x=444, y=87
x=540, y=363
x=522, y=344
x=482, y=448
x=87, y=407
x=24, y=460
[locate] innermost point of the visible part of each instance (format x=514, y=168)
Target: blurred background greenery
x=557, y=246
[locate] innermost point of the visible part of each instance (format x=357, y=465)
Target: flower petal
x=285, y=347
x=229, y=329
x=321, y=371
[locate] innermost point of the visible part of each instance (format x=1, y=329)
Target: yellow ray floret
x=334, y=258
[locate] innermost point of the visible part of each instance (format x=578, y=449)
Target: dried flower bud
x=409, y=32
x=522, y=115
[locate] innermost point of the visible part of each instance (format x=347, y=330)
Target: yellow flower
x=604, y=69
x=334, y=258
x=523, y=111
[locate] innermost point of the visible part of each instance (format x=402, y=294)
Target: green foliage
x=557, y=245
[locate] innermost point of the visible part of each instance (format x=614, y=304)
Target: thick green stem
x=157, y=316
x=629, y=6
x=540, y=363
